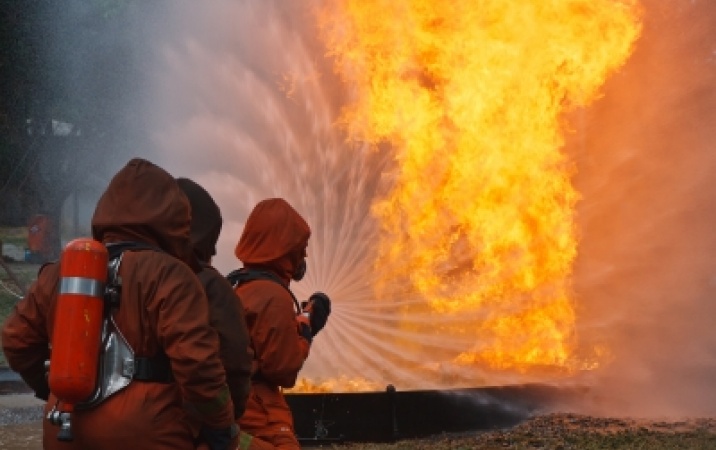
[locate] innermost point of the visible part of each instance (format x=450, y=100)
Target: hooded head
x=206, y=219
x=275, y=236
x=143, y=203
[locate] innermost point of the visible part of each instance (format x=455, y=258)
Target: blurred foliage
x=24, y=272
x=65, y=71
x=14, y=235
x=9, y=292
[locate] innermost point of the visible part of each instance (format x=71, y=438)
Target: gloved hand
x=319, y=306
x=37, y=379
x=221, y=438
x=304, y=325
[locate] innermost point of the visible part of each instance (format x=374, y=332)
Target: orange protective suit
x=38, y=231
x=163, y=308
x=225, y=312
x=274, y=240
x=41, y=238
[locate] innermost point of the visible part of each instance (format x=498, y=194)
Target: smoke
x=243, y=101
x=646, y=273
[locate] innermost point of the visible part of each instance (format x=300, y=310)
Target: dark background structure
x=66, y=69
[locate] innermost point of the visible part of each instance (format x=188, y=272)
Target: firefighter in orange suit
x=225, y=312
x=272, y=249
x=163, y=316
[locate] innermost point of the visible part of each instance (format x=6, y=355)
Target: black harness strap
x=115, y=249
x=155, y=368
x=244, y=275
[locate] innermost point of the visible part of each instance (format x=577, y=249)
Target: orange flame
x=340, y=384
x=472, y=97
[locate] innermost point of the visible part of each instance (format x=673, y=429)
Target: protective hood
x=275, y=236
x=143, y=203
x=206, y=219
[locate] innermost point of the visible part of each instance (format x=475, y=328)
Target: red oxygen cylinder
x=79, y=315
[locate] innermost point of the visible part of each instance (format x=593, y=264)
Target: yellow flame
x=340, y=384
x=472, y=96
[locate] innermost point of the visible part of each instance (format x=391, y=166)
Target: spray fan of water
x=246, y=103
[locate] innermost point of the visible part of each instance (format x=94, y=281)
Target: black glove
x=304, y=330
x=319, y=305
x=219, y=439
x=36, y=378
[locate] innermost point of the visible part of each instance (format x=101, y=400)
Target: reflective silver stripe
x=83, y=286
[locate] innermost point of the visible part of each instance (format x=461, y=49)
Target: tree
x=65, y=68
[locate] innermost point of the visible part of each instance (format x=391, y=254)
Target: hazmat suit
x=162, y=313
x=273, y=243
x=226, y=314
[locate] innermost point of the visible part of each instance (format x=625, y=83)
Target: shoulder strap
x=115, y=249
x=155, y=368
x=241, y=276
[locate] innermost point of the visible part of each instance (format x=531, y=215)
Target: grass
x=14, y=235
x=24, y=272
x=10, y=293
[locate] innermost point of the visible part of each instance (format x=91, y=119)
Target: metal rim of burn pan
x=391, y=415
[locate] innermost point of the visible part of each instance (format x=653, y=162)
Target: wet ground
x=21, y=428
x=20, y=414
x=24, y=435
x=20, y=422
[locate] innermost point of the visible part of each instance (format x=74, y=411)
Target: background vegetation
x=19, y=272
x=65, y=69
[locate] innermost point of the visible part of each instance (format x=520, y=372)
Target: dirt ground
x=565, y=431
x=549, y=432
x=18, y=436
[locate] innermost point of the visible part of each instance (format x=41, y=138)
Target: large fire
x=472, y=96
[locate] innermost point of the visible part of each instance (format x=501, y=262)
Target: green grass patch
x=25, y=274
x=10, y=293
x=14, y=235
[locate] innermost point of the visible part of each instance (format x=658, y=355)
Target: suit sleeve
x=227, y=318
x=26, y=331
x=280, y=349
x=192, y=346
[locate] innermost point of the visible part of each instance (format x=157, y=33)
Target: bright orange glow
x=341, y=384
x=472, y=96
